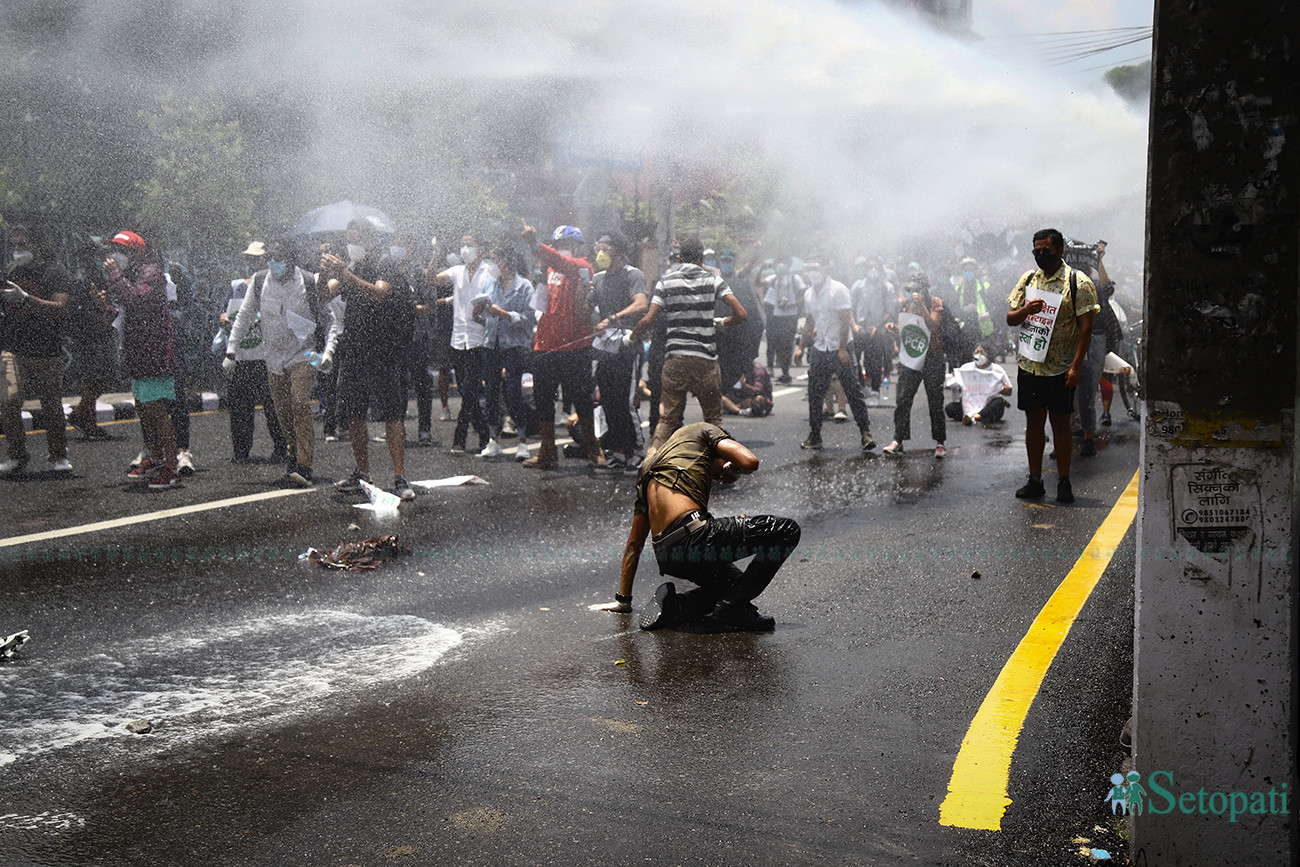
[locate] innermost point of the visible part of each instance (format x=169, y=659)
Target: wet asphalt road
x=464, y=706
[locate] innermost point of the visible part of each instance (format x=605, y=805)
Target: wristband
x=626, y=600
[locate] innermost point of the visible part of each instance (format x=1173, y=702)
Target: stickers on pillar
x=1216, y=507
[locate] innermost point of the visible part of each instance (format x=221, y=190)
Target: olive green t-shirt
x=684, y=463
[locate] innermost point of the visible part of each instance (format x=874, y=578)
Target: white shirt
x=978, y=384
x=465, y=332
x=288, y=329
x=824, y=308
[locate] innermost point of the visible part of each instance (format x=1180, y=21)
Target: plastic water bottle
x=313, y=357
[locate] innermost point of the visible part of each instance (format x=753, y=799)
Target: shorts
x=153, y=388
x=367, y=381
x=1044, y=392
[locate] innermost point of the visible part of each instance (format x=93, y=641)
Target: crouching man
x=672, y=501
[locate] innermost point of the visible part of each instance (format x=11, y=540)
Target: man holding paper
x=1053, y=307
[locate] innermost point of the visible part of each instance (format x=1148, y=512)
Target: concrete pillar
x=1216, y=598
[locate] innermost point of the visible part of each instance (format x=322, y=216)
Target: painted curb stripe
x=977, y=792
x=150, y=516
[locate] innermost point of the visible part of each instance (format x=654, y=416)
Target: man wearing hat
x=245, y=364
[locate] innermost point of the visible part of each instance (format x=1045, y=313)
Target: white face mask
x=356, y=252
x=493, y=271
x=816, y=278
x=981, y=359
x=22, y=257
x=468, y=254
x=120, y=258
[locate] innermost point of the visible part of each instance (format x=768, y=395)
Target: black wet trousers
x=706, y=557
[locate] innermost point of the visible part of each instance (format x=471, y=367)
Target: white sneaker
x=63, y=466
x=9, y=465
x=873, y=399
x=491, y=450
x=185, y=462
x=521, y=452
x=140, y=458
x=508, y=428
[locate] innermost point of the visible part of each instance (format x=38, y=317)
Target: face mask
x=968, y=276
x=356, y=252
x=22, y=257
x=1047, y=260
x=981, y=359
x=816, y=277
x=728, y=269
x=712, y=263
x=276, y=268
x=493, y=271
x=873, y=274
x=783, y=269
x=603, y=261
x=468, y=254
x=120, y=258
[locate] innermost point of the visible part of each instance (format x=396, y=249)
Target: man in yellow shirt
x=1053, y=345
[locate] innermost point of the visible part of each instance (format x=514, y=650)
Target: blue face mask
x=277, y=268
x=711, y=263
x=728, y=269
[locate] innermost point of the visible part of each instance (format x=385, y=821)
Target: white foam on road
x=212, y=681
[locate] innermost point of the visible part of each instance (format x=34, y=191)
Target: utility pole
x=1216, y=597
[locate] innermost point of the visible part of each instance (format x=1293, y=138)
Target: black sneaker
x=784, y=379
x=742, y=616
x=1064, y=492
x=1032, y=490
x=403, y=489
x=352, y=484
x=662, y=609
x=868, y=441
x=814, y=441
x=1088, y=449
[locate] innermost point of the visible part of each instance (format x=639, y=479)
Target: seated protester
x=672, y=501
x=984, y=386
x=751, y=395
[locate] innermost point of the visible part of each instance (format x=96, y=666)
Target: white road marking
x=149, y=516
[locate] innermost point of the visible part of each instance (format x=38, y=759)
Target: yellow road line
x=977, y=792
x=150, y=516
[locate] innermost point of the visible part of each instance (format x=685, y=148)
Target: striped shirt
x=688, y=296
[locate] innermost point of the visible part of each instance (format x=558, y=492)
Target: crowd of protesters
x=520, y=325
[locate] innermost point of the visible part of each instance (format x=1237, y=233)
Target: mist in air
x=882, y=125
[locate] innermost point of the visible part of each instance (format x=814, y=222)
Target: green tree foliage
x=200, y=194
x=1133, y=83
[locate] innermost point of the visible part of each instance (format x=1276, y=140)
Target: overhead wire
x=1062, y=48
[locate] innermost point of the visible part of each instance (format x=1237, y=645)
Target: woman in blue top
x=510, y=320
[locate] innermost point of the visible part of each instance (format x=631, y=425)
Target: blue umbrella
x=333, y=220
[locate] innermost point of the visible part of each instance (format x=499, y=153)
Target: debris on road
x=10, y=645
x=450, y=482
x=366, y=554
x=139, y=727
